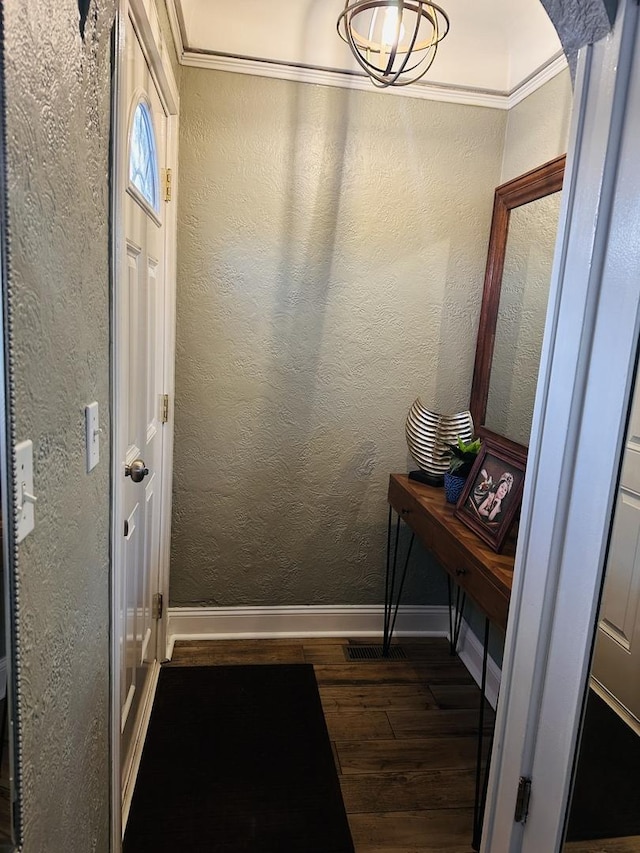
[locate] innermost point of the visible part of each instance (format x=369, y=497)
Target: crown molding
x=443, y=92
x=420, y=90
x=537, y=79
x=343, y=80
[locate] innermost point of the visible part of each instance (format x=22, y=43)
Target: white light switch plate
x=93, y=435
x=25, y=497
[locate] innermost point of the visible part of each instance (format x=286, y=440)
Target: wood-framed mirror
x=514, y=300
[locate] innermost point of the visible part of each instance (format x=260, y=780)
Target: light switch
x=25, y=498
x=93, y=435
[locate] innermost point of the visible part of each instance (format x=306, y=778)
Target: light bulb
x=390, y=25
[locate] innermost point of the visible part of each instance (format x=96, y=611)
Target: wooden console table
x=475, y=569
x=481, y=573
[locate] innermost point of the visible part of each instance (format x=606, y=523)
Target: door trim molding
x=129, y=783
x=146, y=23
x=118, y=170
x=586, y=373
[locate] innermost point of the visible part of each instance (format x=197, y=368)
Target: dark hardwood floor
x=402, y=731
x=403, y=737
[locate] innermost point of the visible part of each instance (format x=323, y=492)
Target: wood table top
x=418, y=502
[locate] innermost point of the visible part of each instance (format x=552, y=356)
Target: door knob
x=137, y=471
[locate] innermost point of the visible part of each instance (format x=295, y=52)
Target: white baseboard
x=141, y=735
x=209, y=623
x=621, y=710
x=470, y=653
x=246, y=623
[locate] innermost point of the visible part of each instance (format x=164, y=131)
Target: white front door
x=616, y=663
x=140, y=339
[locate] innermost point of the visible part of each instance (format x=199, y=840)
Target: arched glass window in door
x=143, y=161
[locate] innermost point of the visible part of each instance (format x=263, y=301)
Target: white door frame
x=580, y=416
x=147, y=26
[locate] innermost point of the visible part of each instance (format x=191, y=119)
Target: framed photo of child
x=492, y=495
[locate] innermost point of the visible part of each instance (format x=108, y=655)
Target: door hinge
x=522, y=800
x=167, y=184
x=164, y=415
x=157, y=605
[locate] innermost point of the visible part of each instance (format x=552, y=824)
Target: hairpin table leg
x=481, y=783
x=389, y=586
x=389, y=580
x=455, y=616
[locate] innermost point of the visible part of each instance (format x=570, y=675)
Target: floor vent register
x=374, y=653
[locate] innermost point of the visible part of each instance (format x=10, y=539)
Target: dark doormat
x=606, y=797
x=237, y=760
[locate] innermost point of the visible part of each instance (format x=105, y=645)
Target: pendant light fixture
x=395, y=41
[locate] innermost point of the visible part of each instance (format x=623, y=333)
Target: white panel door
x=616, y=664
x=140, y=341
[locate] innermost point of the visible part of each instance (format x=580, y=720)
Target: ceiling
x=496, y=53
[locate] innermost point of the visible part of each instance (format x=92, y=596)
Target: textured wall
x=58, y=145
x=580, y=22
x=331, y=254
x=538, y=127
